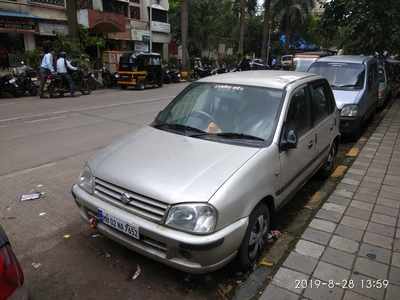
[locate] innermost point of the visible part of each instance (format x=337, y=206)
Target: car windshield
x=345, y=76
x=223, y=112
x=303, y=64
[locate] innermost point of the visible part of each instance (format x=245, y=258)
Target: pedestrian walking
x=46, y=68
x=63, y=68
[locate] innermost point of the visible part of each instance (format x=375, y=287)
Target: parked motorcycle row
x=21, y=81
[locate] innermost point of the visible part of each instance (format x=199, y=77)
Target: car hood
x=169, y=167
x=346, y=97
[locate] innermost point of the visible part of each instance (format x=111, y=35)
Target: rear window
x=341, y=76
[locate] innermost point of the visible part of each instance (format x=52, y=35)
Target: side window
x=320, y=102
x=372, y=70
x=299, y=114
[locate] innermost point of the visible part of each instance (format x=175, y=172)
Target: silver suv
x=198, y=187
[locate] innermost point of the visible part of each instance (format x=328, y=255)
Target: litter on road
x=67, y=236
x=137, y=273
x=36, y=265
x=30, y=197
x=42, y=214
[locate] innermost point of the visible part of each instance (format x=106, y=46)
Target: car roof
x=346, y=59
x=268, y=79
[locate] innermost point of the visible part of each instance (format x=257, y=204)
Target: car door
x=296, y=164
x=324, y=119
x=372, y=87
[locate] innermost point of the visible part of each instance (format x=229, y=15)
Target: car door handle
x=310, y=144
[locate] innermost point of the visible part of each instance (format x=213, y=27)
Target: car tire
x=140, y=85
x=123, y=87
x=330, y=163
x=253, y=242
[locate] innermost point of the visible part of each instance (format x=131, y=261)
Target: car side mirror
x=289, y=141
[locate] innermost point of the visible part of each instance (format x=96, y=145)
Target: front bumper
x=186, y=252
x=349, y=126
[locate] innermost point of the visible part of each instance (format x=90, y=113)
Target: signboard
x=141, y=47
x=160, y=27
x=17, y=25
x=140, y=35
x=52, y=29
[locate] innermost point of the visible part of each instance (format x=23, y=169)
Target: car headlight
x=349, y=111
x=86, y=180
x=13, y=80
x=196, y=218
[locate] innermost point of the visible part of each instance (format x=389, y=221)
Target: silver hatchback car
x=198, y=187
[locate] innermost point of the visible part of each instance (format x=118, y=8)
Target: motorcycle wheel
x=51, y=89
x=86, y=88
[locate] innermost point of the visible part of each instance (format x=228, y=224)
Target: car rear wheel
x=255, y=237
x=330, y=163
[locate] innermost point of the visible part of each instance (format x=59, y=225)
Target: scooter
x=9, y=86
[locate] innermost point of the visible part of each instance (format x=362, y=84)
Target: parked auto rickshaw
x=140, y=70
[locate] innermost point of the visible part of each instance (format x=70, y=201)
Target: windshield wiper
x=230, y=135
x=178, y=127
x=344, y=86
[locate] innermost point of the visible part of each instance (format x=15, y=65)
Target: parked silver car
x=198, y=187
x=354, y=81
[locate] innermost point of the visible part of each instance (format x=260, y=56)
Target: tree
x=266, y=29
x=242, y=26
x=362, y=26
x=184, y=32
x=291, y=14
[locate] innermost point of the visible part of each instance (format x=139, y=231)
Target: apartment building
x=127, y=25
x=26, y=24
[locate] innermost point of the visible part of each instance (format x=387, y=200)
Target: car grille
x=145, y=207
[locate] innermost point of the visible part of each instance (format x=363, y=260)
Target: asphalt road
x=44, y=144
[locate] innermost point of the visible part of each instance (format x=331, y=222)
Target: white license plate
x=34, y=79
x=120, y=225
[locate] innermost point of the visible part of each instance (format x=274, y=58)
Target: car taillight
x=11, y=275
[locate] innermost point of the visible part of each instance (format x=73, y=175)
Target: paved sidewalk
x=354, y=239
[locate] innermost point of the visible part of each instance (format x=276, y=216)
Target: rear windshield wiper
x=231, y=135
x=178, y=127
x=345, y=86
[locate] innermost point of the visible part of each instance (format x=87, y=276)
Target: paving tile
x=393, y=292
x=365, y=197
x=374, y=293
x=354, y=222
x=337, y=257
x=329, y=215
x=324, y=293
x=350, y=181
x=396, y=245
x=388, y=202
x=398, y=233
x=389, y=195
x=383, y=219
x=346, y=187
x=378, y=240
x=374, y=253
x=358, y=213
x=326, y=272
x=361, y=205
x=301, y=263
x=309, y=249
x=350, y=295
x=386, y=210
x=392, y=189
x=273, y=292
x=286, y=278
x=354, y=176
x=372, y=179
x=349, y=232
x=371, y=268
x=343, y=193
x=394, y=275
x=396, y=259
x=317, y=236
x=356, y=171
x=323, y=225
x=339, y=200
x=344, y=244
x=381, y=229
x=334, y=207
x=368, y=190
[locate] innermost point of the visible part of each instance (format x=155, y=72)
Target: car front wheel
x=255, y=237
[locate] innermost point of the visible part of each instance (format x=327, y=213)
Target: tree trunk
x=184, y=32
x=72, y=9
x=242, y=25
x=266, y=29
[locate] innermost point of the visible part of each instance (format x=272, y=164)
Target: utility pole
x=269, y=42
x=72, y=18
x=150, y=25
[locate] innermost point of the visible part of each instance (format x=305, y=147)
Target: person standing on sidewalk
x=63, y=66
x=46, y=68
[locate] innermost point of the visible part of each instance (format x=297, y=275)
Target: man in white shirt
x=46, y=68
x=63, y=66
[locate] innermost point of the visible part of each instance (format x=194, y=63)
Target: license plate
x=34, y=79
x=120, y=225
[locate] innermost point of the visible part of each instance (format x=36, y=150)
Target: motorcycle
x=9, y=86
x=28, y=82
x=57, y=86
x=109, y=79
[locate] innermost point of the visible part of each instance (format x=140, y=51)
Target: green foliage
x=32, y=58
x=362, y=26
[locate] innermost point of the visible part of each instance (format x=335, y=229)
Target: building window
x=160, y=15
x=135, y=12
x=116, y=7
x=134, y=1
x=85, y=4
x=51, y=2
